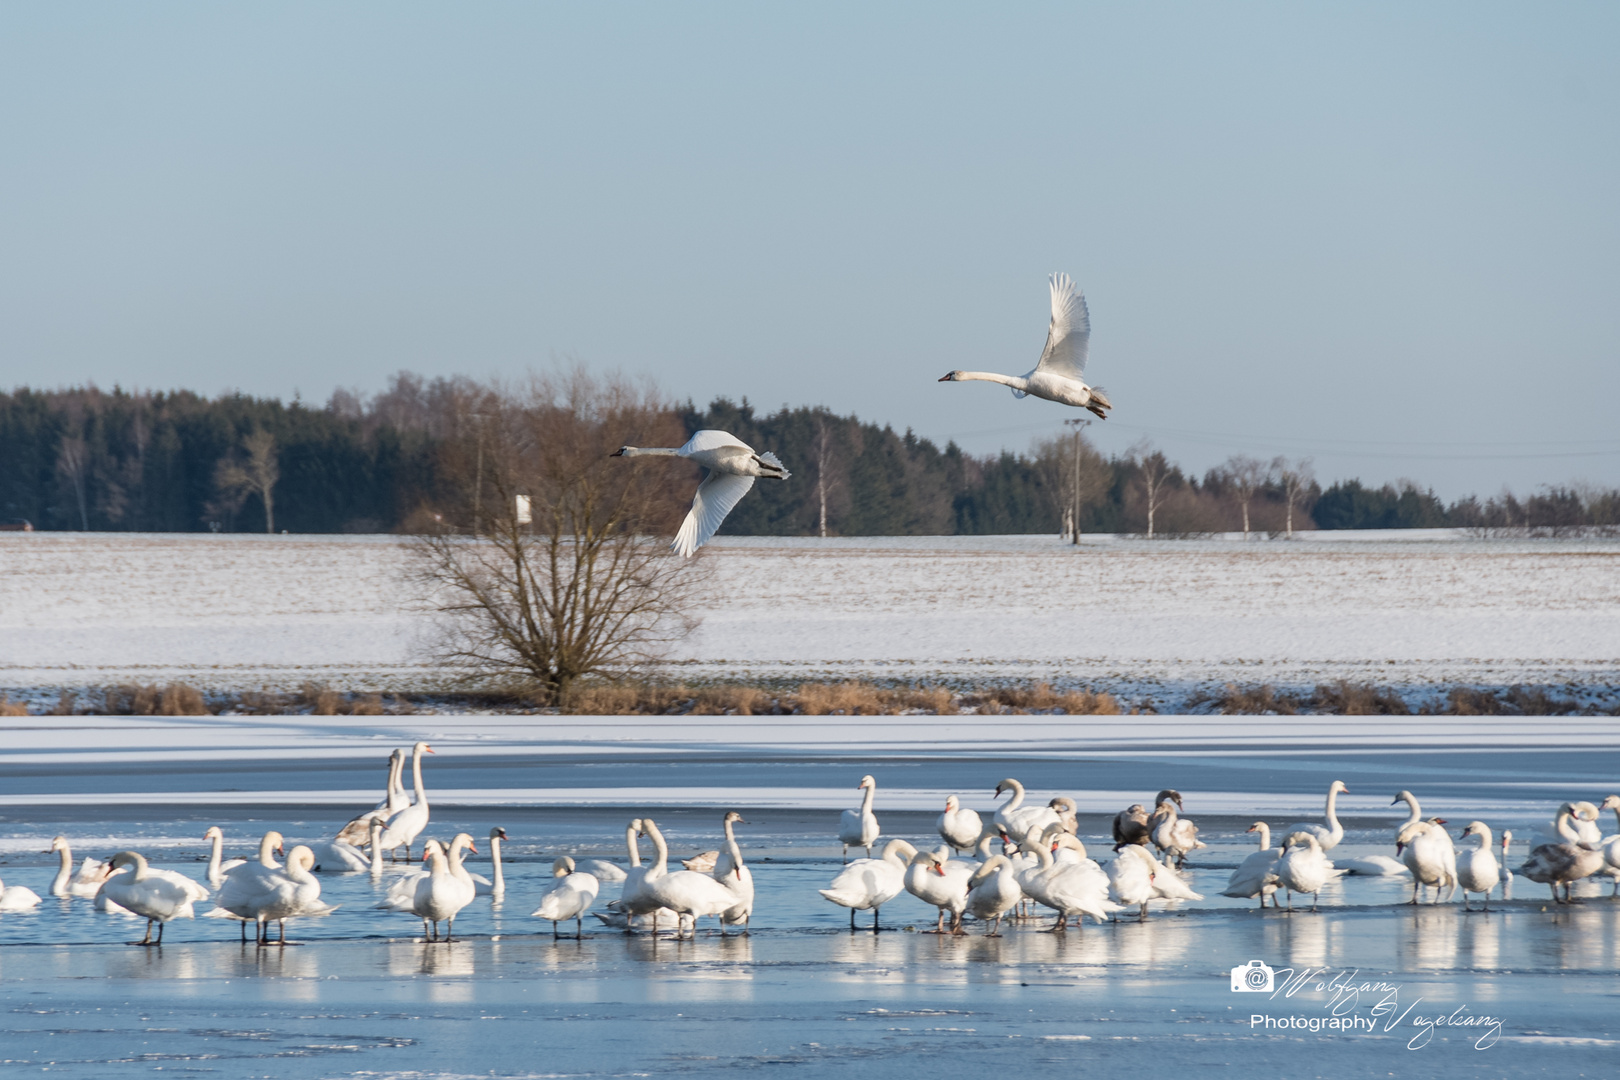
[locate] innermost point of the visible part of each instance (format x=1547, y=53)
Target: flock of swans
x=1042, y=862
x=731, y=465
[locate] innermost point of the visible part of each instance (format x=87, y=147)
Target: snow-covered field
x=1154, y=621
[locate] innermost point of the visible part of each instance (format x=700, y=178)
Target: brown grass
x=1345, y=698
x=175, y=699
x=1233, y=700
x=1042, y=698
x=12, y=708
x=847, y=698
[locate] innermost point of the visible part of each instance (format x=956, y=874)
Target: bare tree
x=1073, y=474
x=822, y=445
x=1296, y=477
x=1247, y=475
x=1154, y=470
x=73, y=463
x=588, y=586
x=235, y=479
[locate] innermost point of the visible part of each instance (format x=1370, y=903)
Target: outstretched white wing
x=1070, y=333
x=716, y=496
x=709, y=439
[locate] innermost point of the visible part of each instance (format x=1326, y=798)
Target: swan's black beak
x=949, y=376
x=617, y=453
x=1392, y=802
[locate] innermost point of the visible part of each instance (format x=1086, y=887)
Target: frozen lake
x=365, y=998
x=1152, y=621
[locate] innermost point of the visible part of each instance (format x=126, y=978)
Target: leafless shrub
x=178, y=699
x=559, y=569
x=1345, y=698
x=321, y=700
x=259, y=703
x=12, y=708
x=66, y=702
x=367, y=705
x=1248, y=701
x=842, y=698
x=1471, y=701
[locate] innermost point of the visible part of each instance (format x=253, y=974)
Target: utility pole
x=1078, y=426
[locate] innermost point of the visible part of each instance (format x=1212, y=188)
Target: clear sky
x=1385, y=236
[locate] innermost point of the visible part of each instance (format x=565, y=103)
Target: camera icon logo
x=1252, y=978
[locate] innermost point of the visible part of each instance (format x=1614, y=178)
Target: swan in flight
x=569, y=898
x=87, y=882
x=1477, y=868
x=1060, y=375
x=731, y=466
x=859, y=828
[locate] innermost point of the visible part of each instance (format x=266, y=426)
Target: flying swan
x=1060, y=376
x=731, y=466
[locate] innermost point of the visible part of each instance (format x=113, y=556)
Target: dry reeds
x=846, y=698
x=1041, y=698
x=1345, y=698
x=175, y=699
x=12, y=708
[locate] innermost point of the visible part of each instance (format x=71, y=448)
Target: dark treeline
x=178, y=462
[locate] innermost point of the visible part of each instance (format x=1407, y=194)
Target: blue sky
x=1383, y=236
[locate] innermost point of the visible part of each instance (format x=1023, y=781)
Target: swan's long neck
x=138, y=864
x=214, y=854
x=866, y=800
x=456, y=847
x=1043, y=853
x=1484, y=834
x=267, y=849
x=499, y=882
x=416, y=774
x=1416, y=811
x=1566, y=830
x=631, y=846
x=650, y=451
x=64, y=875
x=983, y=850
x=734, y=851
x=661, y=864
x=1265, y=835
x=1332, y=811
x=1017, y=789
x=397, y=799
x=1014, y=381
x=376, y=848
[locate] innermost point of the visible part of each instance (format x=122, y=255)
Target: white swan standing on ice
x=859, y=828
x=1018, y=820
x=358, y=831
x=732, y=466
x=405, y=826
x=868, y=884
x=993, y=891
x=570, y=897
x=1428, y=852
x=1060, y=374
x=1329, y=835
x=685, y=892
x=218, y=866
x=1070, y=888
x=1303, y=867
x=1256, y=875
x=156, y=895
x=1477, y=868
x=936, y=879
x=1610, y=845
x=1565, y=862
x=290, y=892
x=1172, y=834
x=730, y=871
x=86, y=883
x=960, y=827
